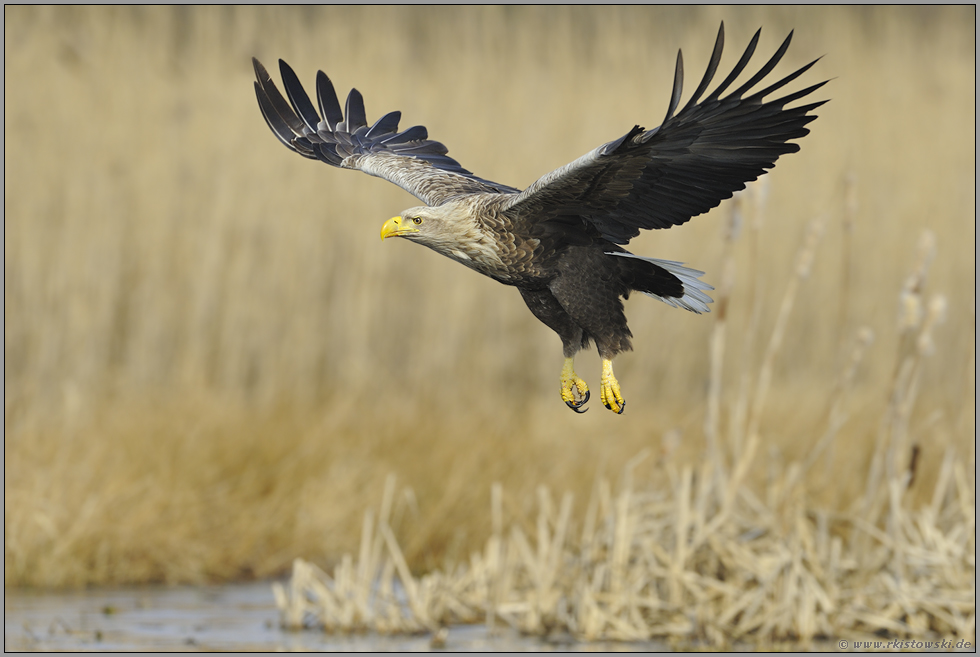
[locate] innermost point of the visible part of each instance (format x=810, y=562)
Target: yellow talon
x=568, y=380
x=609, y=393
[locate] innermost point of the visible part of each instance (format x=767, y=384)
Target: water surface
x=228, y=617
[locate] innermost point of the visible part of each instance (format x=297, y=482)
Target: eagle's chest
x=503, y=256
x=517, y=259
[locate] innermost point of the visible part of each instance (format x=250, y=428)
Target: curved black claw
x=577, y=406
x=622, y=407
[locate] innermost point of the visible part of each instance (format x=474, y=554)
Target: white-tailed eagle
x=560, y=240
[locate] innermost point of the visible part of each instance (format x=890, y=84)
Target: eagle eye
x=417, y=220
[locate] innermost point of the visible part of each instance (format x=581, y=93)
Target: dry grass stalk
x=718, y=331
x=916, y=323
x=744, y=459
x=837, y=414
x=848, y=220
x=759, y=193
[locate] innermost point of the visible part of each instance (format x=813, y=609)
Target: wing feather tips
x=327, y=99
x=386, y=125
x=409, y=158
x=415, y=133
x=766, y=69
x=275, y=102
x=261, y=75
x=356, y=114
x=297, y=97
x=739, y=67
x=675, y=95
x=280, y=128
x=709, y=72
x=783, y=82
x=785, y=100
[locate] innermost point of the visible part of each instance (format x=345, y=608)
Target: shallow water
x=230, y=617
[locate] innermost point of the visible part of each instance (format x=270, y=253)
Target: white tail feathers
x=694, y=298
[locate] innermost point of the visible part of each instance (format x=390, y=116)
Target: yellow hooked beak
x=396, y=227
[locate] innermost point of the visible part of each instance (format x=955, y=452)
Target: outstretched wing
x=697, y=158
x=409, y=158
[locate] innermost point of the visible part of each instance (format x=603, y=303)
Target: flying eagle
x=560, y=240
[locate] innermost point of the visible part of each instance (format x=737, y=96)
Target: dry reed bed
x=198, y=324
x=680, y=564
x=708, y=559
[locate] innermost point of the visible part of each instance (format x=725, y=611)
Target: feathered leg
x=574, y=390
x=588, y=288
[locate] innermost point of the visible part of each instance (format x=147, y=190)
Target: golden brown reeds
x=645, y=571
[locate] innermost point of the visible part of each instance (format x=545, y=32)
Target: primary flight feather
x=559, y=241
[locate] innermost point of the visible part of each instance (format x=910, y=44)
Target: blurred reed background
x=211, y=363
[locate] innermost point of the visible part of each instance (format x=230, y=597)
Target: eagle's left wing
x=697, y=158
x=408, y=158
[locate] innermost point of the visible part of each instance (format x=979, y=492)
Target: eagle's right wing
x=409, y=158
x=698, y=157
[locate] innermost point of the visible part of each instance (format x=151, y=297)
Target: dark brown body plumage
x=578, y=289
x=580, y=308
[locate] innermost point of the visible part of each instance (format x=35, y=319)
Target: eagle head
x=420, y=224
x=441, y=228
x=449, y=229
